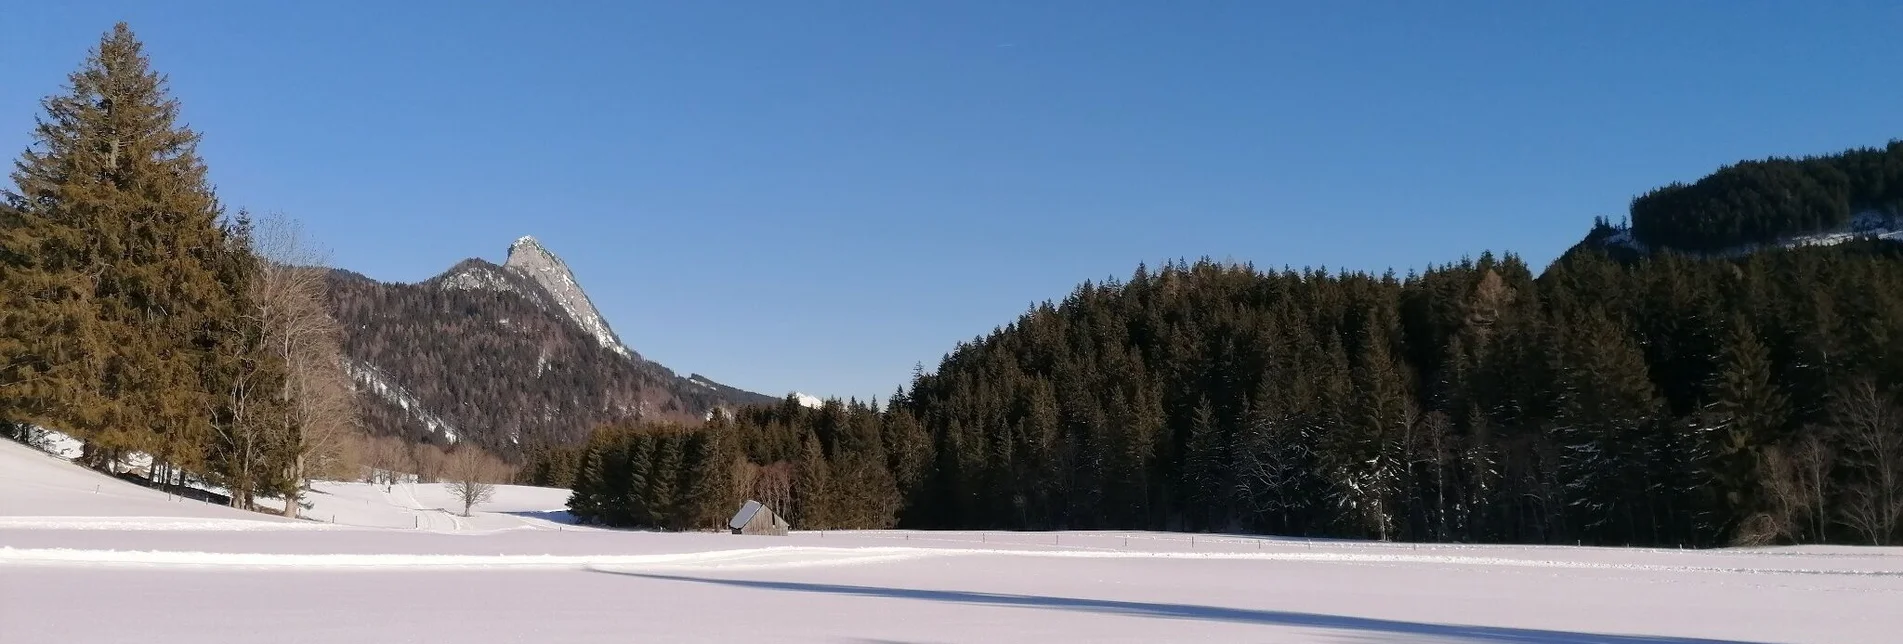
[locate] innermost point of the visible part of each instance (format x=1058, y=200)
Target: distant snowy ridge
x=528, y=257
x=381, y=384
x=808, y=400
x=1869, y=224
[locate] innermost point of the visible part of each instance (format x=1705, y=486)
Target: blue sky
x=817, y=195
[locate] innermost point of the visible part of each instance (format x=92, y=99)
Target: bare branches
x=287, y=294
x=1870, y=424
x=471, y=475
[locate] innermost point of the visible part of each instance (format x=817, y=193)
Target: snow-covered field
x=87, y=558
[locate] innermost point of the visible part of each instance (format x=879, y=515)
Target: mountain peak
x=534, y=261
x=525, y=247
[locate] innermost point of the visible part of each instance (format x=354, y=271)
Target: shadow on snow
x=1475, y=634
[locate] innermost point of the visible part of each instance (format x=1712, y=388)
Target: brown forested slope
x=487, y=354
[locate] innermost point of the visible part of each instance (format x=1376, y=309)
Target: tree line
x=138, y=316
x=842, y=465
x=1666, y=400
x=1760, y=202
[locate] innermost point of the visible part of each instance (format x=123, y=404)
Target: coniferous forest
x=1665, y=401
x=1758, y=202
x=1661, y=399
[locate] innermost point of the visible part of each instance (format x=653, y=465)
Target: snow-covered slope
x=528, y=257
x=42, y=488
x=809, y=401
x=39, y=488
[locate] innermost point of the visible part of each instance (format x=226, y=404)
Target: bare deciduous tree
x=1813, y=461
x=773, y=487
x=428, y=462
x=471, y=476
x=1436, y=448
x=319, y=406
x=1786, y=501
x=1871, y=426
x=387, y=458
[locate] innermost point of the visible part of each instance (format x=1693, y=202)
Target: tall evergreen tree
x=114, y=250
x=1748, y=414
x=812, y=489
x=1607, y=412
x=1204, y=466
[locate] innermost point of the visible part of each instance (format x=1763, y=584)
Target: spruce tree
x=115, y=250
x=1608, y=413
x=908, y=448
x=587, y=497
x=631, y=481
x=1202, y=467
x=708, y=488
x=664, y=477
x=812, y=486
x=1747, y=414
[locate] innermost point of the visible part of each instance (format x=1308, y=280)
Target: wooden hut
x=754, y=518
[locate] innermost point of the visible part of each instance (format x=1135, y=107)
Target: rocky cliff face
x=528, y=257
x=506, y=356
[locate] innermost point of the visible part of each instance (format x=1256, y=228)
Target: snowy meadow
x=88, y=558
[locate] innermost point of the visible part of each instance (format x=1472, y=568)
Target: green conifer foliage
x=115, y=250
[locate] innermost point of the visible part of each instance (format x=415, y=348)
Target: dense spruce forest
x=1759, y=202
x=1663, y=399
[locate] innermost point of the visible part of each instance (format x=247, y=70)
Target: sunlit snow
x=88, y=558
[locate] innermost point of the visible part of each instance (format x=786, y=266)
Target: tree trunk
x=296, y=492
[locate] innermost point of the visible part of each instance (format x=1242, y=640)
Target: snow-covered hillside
x=85, y=558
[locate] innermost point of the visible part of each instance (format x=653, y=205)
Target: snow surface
x=809, y=400
x=79, y=565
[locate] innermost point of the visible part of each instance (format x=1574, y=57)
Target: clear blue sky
x=816, y=195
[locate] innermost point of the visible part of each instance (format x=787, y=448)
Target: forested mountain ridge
x=504, y=356
x=1817, y=200
x=1615, y=398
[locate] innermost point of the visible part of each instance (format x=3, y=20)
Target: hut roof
x=745, y=514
